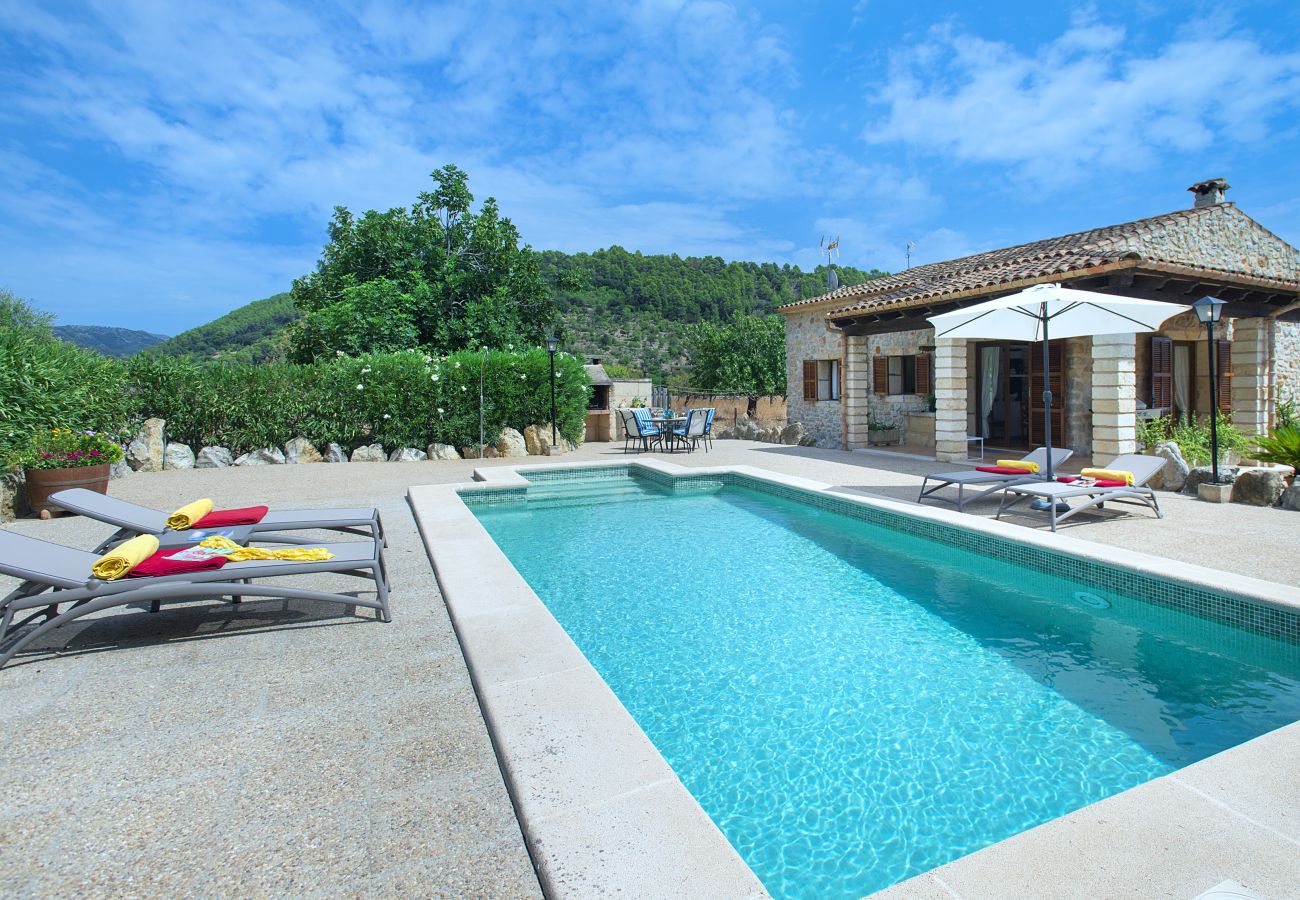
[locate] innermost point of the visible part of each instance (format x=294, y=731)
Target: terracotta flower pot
x=43, y=482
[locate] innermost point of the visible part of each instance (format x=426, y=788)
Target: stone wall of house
x=1286, y=353
x=892, y=409
x=1224, y=239
x=806, y=337
x=1078, y=395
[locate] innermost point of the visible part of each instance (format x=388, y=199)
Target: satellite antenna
x=911, y=248
x=831, y=250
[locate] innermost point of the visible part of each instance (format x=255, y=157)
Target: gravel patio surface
x=290, y=748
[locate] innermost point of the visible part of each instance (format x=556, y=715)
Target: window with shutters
x=1223, y=362
x=1162, y=374
x=821, y=379
x=896, y=375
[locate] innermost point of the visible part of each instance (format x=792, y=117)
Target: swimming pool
x=853, y=704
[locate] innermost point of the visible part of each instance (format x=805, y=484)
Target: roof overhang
x=1246, y=297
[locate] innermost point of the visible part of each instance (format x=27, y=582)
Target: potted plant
x=881, y=433
x=56, y=459
x=1282, y=447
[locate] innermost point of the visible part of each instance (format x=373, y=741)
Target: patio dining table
x=666, y=425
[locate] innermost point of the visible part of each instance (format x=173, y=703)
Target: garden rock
x=9, y=501
x=1258, y=487
x=335, y=454
x=808, y=440
x=472, y=453
x=119, y=469
x=178, y=456
x=267, y=456
x=442, y=451
x=511, y=443
x=214, y=458
x=792, y=434
x=565, y=446
x=1174, y=475
x=300, y=450
x=1291, y=498
x=1201, y=474
x=145, y=452
x=369, y=453
x=537, y=439
x=408, y=454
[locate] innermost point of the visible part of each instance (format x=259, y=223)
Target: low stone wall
x=728, y=408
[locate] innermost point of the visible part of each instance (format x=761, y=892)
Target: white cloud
x=1087, y=100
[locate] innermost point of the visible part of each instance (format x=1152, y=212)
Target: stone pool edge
x=555, y=725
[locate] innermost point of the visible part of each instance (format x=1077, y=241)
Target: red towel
x=224, y=518
x=1002, y=470
x=157, y=565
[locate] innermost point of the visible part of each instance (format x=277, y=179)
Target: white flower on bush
x=522, y=376
x=338, y=352
x=366, y=370
x=510, y=346
x=361, y=387
x=435, y=377
x=387, y=416
x=428, y=359
x=458, y=364
x=441, y=410
x=463, y=389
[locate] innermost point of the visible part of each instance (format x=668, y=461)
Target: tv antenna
x=831, y=250
x=911, y=248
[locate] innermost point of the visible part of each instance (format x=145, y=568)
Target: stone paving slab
x=287, y=748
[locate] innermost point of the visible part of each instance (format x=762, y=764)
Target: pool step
x=592, y=493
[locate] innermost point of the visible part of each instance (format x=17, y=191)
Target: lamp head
x=1209, y=310
x=552, y=343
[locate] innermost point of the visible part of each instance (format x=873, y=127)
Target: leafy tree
x=744, y=357
x=451, y=278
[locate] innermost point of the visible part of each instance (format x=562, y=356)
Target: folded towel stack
x=185, y=517
x=242, y=554
x=1108, y=475
x=118, y=562
x=1023, y=465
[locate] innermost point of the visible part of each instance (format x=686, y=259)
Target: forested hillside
x=630, y=308
x=110, y=341
x=251, y=333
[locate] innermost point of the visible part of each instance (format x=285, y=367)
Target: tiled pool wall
x=1180, y=596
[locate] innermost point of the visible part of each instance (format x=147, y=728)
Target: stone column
x=855, y=391
x=950, y=395
x=1114, y=384
x=1249, y=367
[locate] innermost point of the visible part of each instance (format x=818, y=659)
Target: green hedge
x=405, y=399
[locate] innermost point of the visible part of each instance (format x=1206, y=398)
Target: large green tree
x=746, y=356
x=439, y=274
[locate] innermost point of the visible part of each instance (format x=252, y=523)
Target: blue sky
x=163, y=163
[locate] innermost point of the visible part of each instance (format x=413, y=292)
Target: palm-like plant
x=1282, y=446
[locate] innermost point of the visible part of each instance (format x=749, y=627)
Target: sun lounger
x=1144, y=468
x=132, y=519
x=56, y=585
x=988, y=482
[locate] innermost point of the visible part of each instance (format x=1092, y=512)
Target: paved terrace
x=284, y=748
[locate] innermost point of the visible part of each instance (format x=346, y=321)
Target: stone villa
x=865, y=354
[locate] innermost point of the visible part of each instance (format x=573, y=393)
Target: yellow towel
x=1108, y=475
x=118, y=562
x=240, y=554
x=1030, y=467
x=187, y=515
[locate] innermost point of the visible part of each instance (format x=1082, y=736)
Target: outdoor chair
x=647, y=430
x=1143, y=468
x=52, y=576
x=690, y=432
x=132, y=519
x=707, y=437
x=988, y=482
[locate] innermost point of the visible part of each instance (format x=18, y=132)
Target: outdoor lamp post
x=1209, y=310
x=551, y=345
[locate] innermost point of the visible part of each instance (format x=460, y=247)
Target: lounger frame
x=1144, y=468
x=59, y=594
x=990, y=482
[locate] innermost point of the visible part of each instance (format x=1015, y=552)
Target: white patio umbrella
x=1049, y=309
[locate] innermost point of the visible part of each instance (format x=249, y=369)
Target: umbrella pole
x=1047, y=396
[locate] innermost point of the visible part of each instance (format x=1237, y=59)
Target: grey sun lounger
x=1144, y=468
x=53, y=577
x=132, y=519
x=987, y=482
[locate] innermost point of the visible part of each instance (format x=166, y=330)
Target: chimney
x=1209, y=193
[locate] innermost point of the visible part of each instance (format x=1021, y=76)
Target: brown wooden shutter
x=880, y=374
x=1162, y=373
x=923, y=380
x=1223, y=360
x=1056, y=382
x=810, y=379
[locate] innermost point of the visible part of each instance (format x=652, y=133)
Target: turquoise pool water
x=853, y=706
